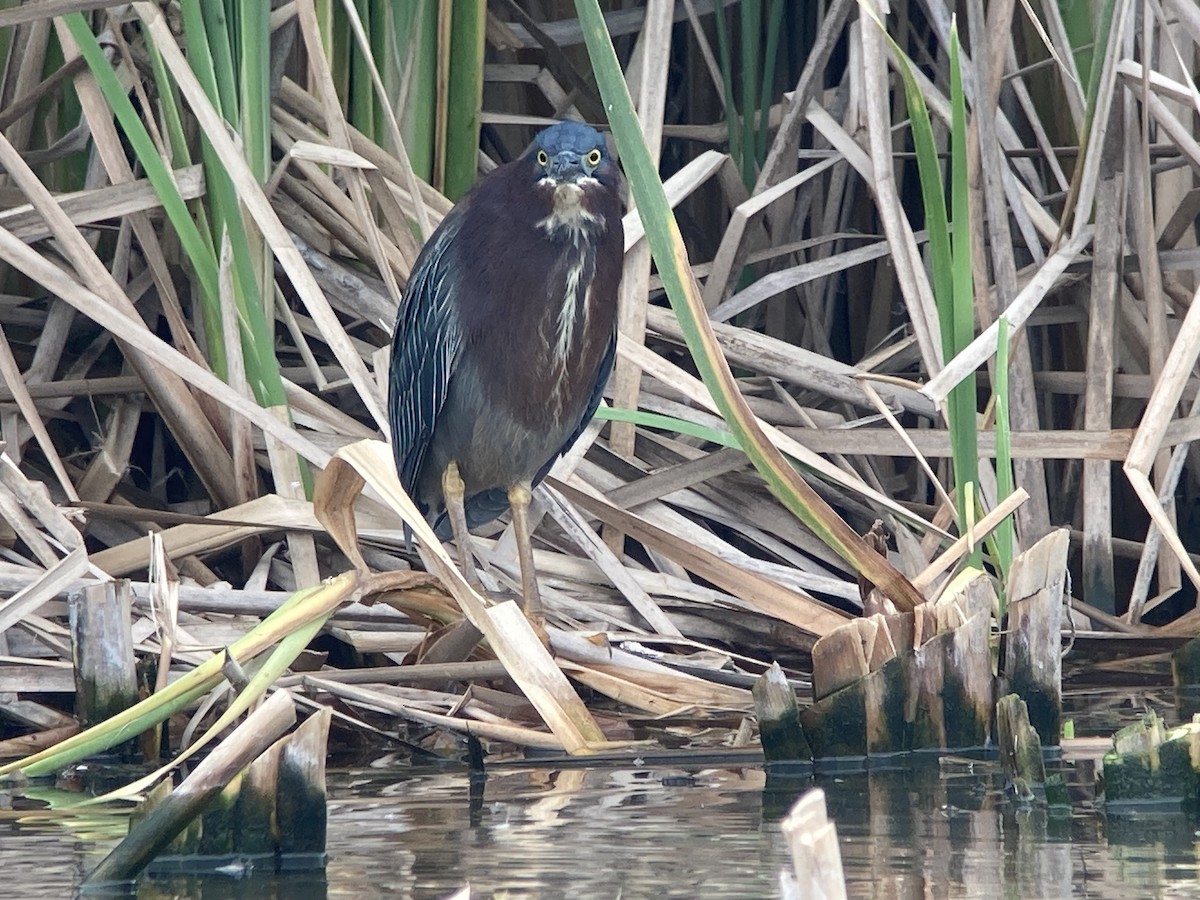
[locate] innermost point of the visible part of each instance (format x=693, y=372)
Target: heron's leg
x=454, y=494
x=518, y=498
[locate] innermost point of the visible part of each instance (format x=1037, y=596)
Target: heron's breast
x=495, y=434
x=541, y=360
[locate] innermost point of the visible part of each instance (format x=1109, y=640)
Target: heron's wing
x=425, y=348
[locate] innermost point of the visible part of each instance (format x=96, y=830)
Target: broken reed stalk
x=1020, y=749
x=300, y=809
x=102, y=644
x=779, y=718
x=1033, y=641
x=193, y=795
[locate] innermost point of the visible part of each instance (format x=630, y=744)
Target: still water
x=934, y=830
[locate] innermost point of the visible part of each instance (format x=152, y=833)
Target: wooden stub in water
x=779, y=718
x=217, y=822
x=836, y=724
x=909, y=681
x=255, y=814
x=1020, y=749
x=1033, y=656
x=1185, y=672
x=300, y=808
x=951, y=701
x=1150, y=767
x=839, y=658
x=102, y=646
x=816, y=858
x=174, y=814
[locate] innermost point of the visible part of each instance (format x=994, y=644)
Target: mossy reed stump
x=102, y=648
x=1020, y=750
x=258, y=801
x=1033, y=645
x=1152, y=767
x=779, y=719
x=907, y=681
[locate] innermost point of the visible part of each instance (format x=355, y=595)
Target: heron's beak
x=566, y=166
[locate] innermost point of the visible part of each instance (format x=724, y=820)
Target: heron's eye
x=542, y=159
x=593, y=158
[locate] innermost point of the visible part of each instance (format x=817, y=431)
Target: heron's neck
x=569, y=216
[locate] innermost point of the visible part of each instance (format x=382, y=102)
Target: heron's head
x=573, y=169
x=572, y=153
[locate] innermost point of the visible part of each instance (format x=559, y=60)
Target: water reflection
x=933, y=831
x=577, y=833
x=929, y=833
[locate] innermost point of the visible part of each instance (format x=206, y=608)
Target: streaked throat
x=569, y=215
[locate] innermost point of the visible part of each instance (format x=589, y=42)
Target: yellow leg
x=518, y=499
x=454, y=493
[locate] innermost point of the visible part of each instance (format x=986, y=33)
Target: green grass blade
x=1077, y=21
x=199, y=251
x=933, y=193
x=361, y=106
x=465, y=96
x=751, y=15
x=254, y=83
x=250, y=278
x=180, y=152
x=379, y=42
x=1089, y=67
x=725, y=53
x=950, y=262
x=297, y=612
x=69, y=173
x=204, y=66
x=775, y=26
x=252, y=35
x=324, y=11
x=963, y=401
x=670, y=256
x=668, y=423
x=415, y=34
x=218, y=39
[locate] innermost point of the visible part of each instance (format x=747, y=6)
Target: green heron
x=506, y=336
